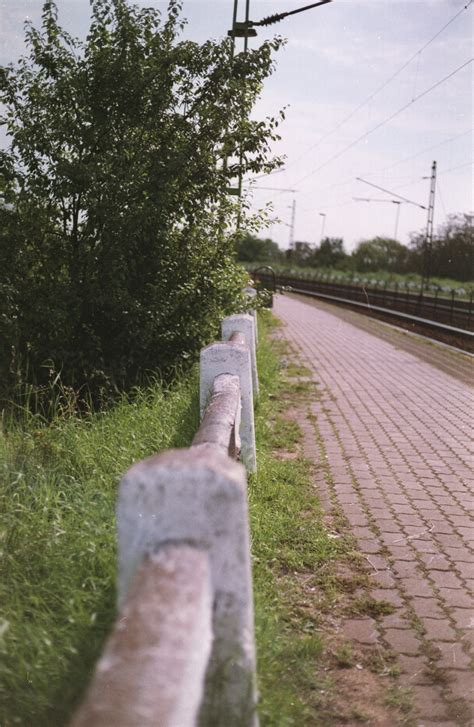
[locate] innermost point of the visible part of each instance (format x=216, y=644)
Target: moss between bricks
x=307, y=577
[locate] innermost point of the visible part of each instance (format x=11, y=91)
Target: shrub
x=115, y=249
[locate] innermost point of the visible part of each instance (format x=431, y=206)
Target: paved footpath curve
x=397, y=434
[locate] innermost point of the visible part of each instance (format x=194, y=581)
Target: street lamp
x=323, y=222
x=390, y=201
x=425, y=276
x=292, y=225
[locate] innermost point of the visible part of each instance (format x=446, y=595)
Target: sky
x=344, y=77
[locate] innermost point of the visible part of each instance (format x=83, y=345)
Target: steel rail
x=388, y=311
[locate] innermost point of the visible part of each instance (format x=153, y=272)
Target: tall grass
x=58, y=566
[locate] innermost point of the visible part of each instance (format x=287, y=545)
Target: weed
x=344, y=655
x=368, y=606
x=302, y=387
x=295, y=370
x=400, y=698
x=285, y=434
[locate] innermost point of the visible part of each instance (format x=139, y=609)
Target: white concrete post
x=232, y=358
x=199, y=496
x=252, y=293
x=243, y=323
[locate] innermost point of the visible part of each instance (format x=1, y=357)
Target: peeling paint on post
x=232, y=358
x=243, y=323
x=199, y=496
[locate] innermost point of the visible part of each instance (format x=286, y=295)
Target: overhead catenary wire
x=424, y=151
x=408, y=201
x=453, y=169
x=385, y=121
x=441, y=199
x=349, y=180
x=375, y=173
x=384, y=84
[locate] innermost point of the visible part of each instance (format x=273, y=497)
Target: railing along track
x=447, y=315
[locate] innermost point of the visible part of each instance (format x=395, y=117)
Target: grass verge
x=309, y=578
x=58, y=566
x=288, y=541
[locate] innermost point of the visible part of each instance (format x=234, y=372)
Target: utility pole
x=397, y=219
x=292, y=224
x=246, y=30
x=323, y=222
x=429, y=231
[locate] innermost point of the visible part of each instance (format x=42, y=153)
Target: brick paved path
x=397, y=435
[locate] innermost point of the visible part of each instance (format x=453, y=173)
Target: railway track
x=445, y=319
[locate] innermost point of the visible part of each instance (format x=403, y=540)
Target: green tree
x=331, y=253
x=452, y=252
x=380, y=253
x=254, y=249
x=301, y=254
x=114, y=243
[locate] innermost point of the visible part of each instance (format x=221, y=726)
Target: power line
x=452, y=169
x=380, y=88
x=350, y=180
x=423, y=151
x=409, y=201
x=385, y=121
x=400, y=161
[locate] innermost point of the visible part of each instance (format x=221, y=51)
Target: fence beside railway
x=447, y=311
x=182, y=650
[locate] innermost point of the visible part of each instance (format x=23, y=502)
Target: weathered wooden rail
x=182, y=650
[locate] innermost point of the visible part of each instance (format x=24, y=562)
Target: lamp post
x=292, y=225
x=426, y=272
x=323, y=223
x=390, y=201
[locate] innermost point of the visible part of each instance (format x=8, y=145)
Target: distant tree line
x=451, y=253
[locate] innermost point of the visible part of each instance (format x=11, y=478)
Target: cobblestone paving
x=397, y=436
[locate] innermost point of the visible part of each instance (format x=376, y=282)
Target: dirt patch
x=365, y=702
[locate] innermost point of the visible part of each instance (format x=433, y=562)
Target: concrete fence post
x=252, y=293
x=198, y=496
x=232, y=357
x=243, y=323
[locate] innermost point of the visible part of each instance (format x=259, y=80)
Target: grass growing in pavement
x=58, y=495
x=288, y=540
